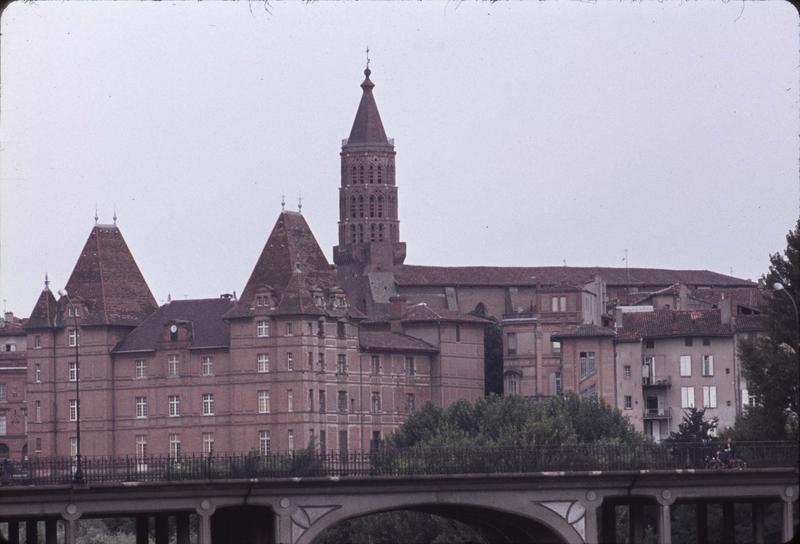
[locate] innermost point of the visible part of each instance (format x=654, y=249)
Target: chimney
x=725, y=310
x=397, y=305
x=9, y=316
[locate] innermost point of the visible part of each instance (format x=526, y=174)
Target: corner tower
x=369, y=230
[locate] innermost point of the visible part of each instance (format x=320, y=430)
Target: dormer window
x=261, y=301
x=173, y=333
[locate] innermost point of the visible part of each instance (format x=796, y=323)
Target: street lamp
x=778, y=286
x=78, y=467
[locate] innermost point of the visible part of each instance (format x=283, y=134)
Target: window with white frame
x=73, y=446
x=288, y=328
x=141, y=446
x=411, y=402
x=264, y=442
x=555, y=345
x=73, y=409
x=174, y=445
x=72, y=371
x=206, y=365
x=628, y=402
x=375, y=365
x=37, y=342
x=74, y=337
x=37, y=373
x=341, y=363
x=262, y=328
x=290, y=401
x=208, y=443
x=172, y=366
x=511, y=343
x=290, y=361
x=3, y=393
x=141, y=407
x=511, y=383
x=626, y=371
x=3, y=425
x=708, y=365
x=174, y=404
x=686, y=366
x=709, y=396
x=37, y=414
x=558, y=304
x=263, y=402
x=587, y=363
x=376, y=402
x=409, y=367
x=687, y=397
x=321, y=362
x=290, y=440
x=140, y=366
x=262, y=362
x=342, y=401
x=208, y=404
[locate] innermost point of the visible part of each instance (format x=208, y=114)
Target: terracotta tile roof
x=408, y=275
x=202, y=316
x=391, y=341
x=423, y=312
x=749, y=323
x=291, y=268
x=749, y=297
x=668, y=323
x=44, y=312
x=584, y=331
x=367, y=126
x=107, y=282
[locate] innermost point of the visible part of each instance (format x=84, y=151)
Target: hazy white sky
x=526, y=133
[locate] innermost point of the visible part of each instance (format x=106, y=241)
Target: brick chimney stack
x=397, y=306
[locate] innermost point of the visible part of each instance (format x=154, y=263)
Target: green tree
x=493, y=360
x=694, y=427
x=770, y=362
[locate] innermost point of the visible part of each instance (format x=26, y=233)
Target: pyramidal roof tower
x=369, y=230
x=107, y=283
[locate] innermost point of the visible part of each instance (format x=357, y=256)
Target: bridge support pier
x=31, y=531
x=758, y=522
x=701, y=512
x=50, y=531
x=182, y=528
x=664, y=524
x=71, y=531
x=205, y=528
x=13, y=532
x=787, y=533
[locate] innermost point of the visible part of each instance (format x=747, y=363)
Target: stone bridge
x=574, y=507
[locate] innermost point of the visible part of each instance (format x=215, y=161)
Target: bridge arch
x=502, y=522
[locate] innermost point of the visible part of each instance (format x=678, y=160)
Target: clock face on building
x=173, y=329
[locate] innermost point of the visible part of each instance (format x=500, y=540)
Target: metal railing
x=657, y=413
x=657, y=381
x=391, y=462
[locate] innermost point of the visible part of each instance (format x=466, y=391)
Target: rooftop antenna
x=115, y=214
x=283, y=202
x=169, y=298
x=300, y=203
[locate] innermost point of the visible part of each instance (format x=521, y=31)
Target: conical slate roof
x=291, y=267
x=367, y=126
x=107, y=283
x=44, y=312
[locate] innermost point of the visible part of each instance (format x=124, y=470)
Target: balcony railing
x=658, y=413
x=390, y=462
x=657, y=381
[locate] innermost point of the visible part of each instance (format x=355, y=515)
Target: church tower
x=369, y=230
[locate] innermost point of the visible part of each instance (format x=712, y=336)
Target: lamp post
x=78, y=466
x=778, y=286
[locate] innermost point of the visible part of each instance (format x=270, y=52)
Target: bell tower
x=369, y=229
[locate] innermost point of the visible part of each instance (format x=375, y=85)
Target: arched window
x=380, y=174
x=353, y=206
x=352, y=234
x=353, y=175
x=372, y=232
x=361, y=206
x=371, y=174
x=380, y=205
x=4, y=453
x=372, y=205
x=361, y=173
x=511, y=383
x=380, y=232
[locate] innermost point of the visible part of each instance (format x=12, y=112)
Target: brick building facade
x=335, y=355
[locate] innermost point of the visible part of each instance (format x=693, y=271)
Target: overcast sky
x=530, y=133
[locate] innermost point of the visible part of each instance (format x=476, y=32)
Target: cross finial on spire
x=115, y=214
x=96, y=218
x=46, y=281
x=367, y=57
x=283, y=202
x=300, y=203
